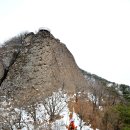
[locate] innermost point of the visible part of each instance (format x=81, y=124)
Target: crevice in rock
x=12, y=61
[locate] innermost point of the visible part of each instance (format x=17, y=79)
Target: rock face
x=1, y=70
x=44, y=64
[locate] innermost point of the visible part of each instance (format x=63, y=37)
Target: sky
x=97, y=32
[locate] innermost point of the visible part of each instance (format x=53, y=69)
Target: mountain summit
x=38, y=61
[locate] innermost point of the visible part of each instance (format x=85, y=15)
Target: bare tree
x=96, y=93
x=54, y=104
x=10, y=117
x=81, y=112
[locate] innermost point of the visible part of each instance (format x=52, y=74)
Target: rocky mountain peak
x=41, y=62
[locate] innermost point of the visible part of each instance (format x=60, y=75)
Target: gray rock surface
x=1, y=70
x=45, y=64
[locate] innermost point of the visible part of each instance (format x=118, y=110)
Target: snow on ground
x=63, y=122
x=43, y=117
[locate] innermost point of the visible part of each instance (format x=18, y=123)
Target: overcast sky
x=97, y=32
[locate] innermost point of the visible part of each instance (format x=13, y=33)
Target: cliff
x=38, y=62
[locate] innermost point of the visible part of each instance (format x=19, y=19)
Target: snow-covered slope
x=43, y=115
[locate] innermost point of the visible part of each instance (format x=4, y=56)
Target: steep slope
x=94, y=80
x=39, y=62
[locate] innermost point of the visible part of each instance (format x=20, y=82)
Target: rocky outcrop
x=1, y=70
x=9, y=57
x=42, y=63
